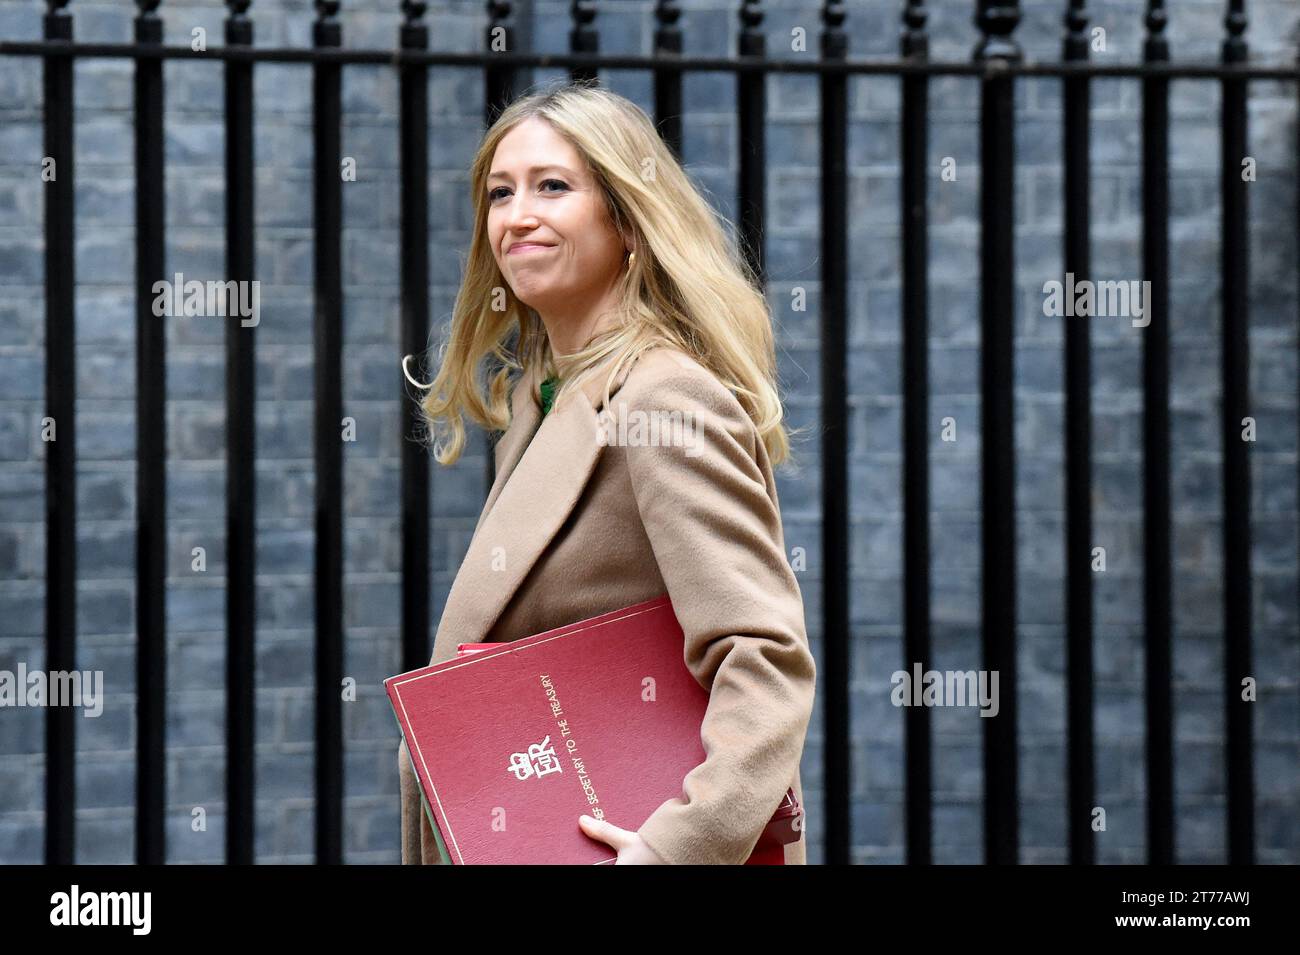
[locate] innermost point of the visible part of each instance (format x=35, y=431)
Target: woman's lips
x=528, y=247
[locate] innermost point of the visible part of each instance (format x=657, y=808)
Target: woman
x=627, y=302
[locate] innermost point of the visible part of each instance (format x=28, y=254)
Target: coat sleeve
x=412, y=815
x=716, y=534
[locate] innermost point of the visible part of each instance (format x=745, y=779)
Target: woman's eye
x=493, y=195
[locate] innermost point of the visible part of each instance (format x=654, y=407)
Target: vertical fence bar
x=915, y=44
x=834, y=398
x=1156, y=512
x=327, y=33
x=583, y=38
x=1076, y=158
x=751, y=99
x=241, y=449
x=668, y=77
x=501, y=79
x=414, y=82
x=150, y=447
x=61, y=453
x=1236, y=461
x=996, y=21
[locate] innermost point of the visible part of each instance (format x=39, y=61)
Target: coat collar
x=543, y=470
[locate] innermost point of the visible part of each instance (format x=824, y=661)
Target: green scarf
x=548, y=393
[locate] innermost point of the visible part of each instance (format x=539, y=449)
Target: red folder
x=512, y=741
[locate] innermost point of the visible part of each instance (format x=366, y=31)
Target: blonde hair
x=687, y=285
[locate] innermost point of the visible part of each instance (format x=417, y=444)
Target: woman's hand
x=632, y=849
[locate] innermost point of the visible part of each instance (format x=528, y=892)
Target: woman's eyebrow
x=499, y=174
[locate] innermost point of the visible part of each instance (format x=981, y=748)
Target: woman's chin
x=538, y=299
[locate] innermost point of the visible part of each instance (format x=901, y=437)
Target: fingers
x=604, y=830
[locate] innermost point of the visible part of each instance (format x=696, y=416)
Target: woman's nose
x=520, y=214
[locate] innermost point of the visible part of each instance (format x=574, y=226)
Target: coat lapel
x=524, y=417
x=542, y=473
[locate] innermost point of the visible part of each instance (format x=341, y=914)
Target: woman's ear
x=629, y=238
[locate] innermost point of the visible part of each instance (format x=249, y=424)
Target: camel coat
x=584, y=524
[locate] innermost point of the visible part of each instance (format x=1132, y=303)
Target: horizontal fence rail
x=881, y=66
x=997, y=63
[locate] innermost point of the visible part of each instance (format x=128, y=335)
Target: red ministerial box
x=787, y=822
x=511, y=742
x=785, y=826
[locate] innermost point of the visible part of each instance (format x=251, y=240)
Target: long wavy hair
x=688, y=286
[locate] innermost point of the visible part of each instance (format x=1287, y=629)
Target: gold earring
x=631, y=259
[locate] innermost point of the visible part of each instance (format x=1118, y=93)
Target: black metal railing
x=1076, y=149
x=241, y=455
x=1155, y=441
x=997, y=63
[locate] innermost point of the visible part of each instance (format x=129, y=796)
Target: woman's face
x=548, y=226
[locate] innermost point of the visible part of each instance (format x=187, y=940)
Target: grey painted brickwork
x=195, y=415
